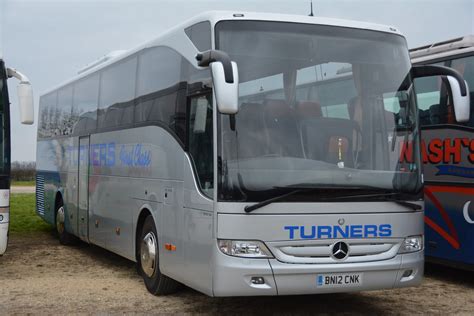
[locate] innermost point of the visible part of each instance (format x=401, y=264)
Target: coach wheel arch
x=146, y=248
x=141, y=220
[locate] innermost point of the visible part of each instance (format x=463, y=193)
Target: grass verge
x=23, y=218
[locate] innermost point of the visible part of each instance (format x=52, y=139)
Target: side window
x=117, y=94
x=84, y=111
x=47, y=108
x=43, y=117
x=200, y=35
x=396, y=110
x=432, y=100
x=64, y=110
x=428, y=92
x=200, y=141
x=54, y=114
x=158, y=87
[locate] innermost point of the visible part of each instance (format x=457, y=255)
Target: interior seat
x=330, y=139
x=282, y=129
x=308, y=109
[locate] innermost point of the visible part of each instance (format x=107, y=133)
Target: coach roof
x=450, y=47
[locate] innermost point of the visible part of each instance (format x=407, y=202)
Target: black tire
x=65, y=238
x=155, y=282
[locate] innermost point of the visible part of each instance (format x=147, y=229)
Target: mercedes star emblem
x=340, y=250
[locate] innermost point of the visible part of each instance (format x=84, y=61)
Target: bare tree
x=23, y=170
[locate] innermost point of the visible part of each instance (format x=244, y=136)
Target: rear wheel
x=148, y=261
x=65, y=238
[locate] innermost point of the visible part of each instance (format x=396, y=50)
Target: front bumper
x=3, y=237
x=232, y=275
x=4, y=221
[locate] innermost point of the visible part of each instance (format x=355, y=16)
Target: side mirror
x=457, y=84
x=225, y=78
x=25, y=96
x=461, y=103
x=227, y=94
x=25, y=100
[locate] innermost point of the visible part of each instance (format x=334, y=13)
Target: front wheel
x=148, y=262
x=65, y=238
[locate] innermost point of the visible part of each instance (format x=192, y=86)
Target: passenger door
x=83, y=188
x=198, y=202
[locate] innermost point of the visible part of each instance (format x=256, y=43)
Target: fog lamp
x=257, y=280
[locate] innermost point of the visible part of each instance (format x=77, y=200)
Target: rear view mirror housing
x=25, y=100
x=25, y=97
x=461, y=103
x=227, y=94
x=456, y=83
x=225, y=78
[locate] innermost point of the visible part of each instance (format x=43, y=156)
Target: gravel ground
x=37, y=275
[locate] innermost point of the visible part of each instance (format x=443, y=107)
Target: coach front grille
x=320, y=251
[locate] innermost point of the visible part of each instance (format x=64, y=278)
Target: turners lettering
x=105, y=155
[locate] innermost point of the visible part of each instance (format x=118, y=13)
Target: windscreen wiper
x=386, y=196
x=298, y=188
x=410, y=205
x=250, y=208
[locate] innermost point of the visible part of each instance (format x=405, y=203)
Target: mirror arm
x=206, y=58
x=11, y=72
x=429, y=71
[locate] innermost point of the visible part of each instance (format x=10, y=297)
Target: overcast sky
x=50, y=40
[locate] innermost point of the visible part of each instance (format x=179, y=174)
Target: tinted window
x=158, y=96
x=64, y=111
x=428, y=91
x=432, y=99
x=200, y=141
x=200, y=35
x=158, y=87
x=42, y=117
x=86, y=97
x=47, y=108
x=116, y=94
x=159, y=68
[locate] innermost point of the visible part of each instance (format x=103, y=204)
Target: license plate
x=339, y=280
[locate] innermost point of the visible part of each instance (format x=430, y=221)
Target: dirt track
x=23, y=189
x=37, y=275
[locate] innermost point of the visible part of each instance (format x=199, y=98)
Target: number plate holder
x=336, y=280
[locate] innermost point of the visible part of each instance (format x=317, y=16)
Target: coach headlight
x=244, y=248
x=411, y=244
